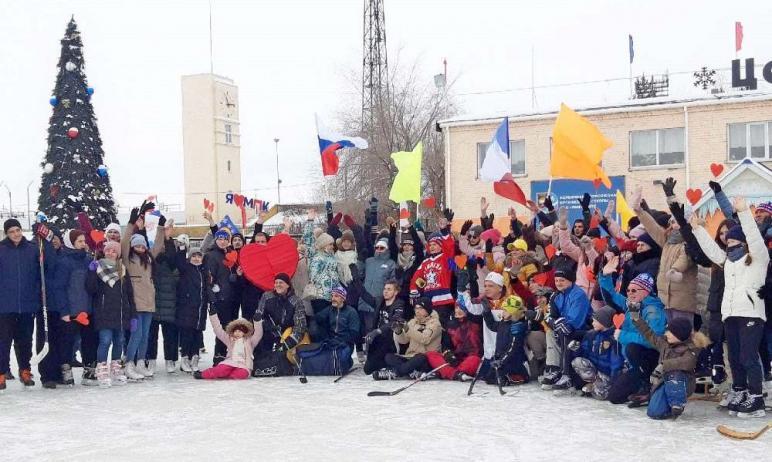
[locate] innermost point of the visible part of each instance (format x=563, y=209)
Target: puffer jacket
x=192, y=290
x=603, y=351
x=573, y=305
x=421, y=336
x=250, y=342
x=679, y=295
x=378, y=270
x=338, y=326
x=20, y=275
x=322, y=267
x=219, y=274
x=652, y=312
x=166, y=278
x=70, y=282
x=464, y=338
x=141, y=277
x=742, y=281
x=113, y=306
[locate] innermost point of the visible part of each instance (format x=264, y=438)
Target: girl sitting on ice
x=240, y=339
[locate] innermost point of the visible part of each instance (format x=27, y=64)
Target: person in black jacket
x=192, y=301
x=110, y=288
x=408, y=258
x=165, y=278
x=380, y=341
x=508, y=363
x=645, y=260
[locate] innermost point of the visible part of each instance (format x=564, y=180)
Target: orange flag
x=577, y=148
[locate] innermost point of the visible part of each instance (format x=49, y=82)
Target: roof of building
x=749, y=179
x=634, y=105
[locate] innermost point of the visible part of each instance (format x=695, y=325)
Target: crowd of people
x=583, y=308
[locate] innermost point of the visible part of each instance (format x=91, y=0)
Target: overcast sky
x=291, y=58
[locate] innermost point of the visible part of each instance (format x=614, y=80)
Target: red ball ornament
x=72, y=132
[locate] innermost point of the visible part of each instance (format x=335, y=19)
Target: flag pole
x=549, y=187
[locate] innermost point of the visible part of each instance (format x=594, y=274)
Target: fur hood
x=700, y=340
x=240, y=322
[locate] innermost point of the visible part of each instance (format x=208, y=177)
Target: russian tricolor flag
x=329, y=144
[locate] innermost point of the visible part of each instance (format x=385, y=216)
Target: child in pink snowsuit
x=240, y=339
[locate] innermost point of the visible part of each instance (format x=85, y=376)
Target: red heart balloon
x=97, y=236
x=404, y=214
x=230, y=259
x=261, y=263
x=716, y=169
x=206, y=204
x=596, y=182
x=238, y=199
x=619, y=319
x=430, y=202
x=694, y=195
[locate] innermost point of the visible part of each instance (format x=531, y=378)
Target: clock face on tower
x=227, y=104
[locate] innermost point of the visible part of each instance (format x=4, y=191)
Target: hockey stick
x=346, y=373
x=303, y=378
x=498, y=381
x=476, y=376
x=44, y=351
x=400, y=390
x=738, y=435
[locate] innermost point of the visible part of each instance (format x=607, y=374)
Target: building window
x=229, y=166
x=516, y=156
x=228, y=134
x=750, y=140
x=656, y=148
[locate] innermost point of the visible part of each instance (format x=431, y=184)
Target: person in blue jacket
x=599, y=357
x=19, y=297
x=569, y=319
x=637, y=350
x=72, y=298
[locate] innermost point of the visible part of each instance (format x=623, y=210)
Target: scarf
x=675, y=238
x=405, y=259
x=735, y=252
x=108, y=271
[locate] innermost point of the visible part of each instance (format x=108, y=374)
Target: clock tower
x=211, y=141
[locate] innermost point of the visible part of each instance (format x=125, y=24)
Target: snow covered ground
x=176, y=417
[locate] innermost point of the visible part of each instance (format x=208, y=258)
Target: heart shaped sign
x=619, y=319
x=429, y=202
x=230, y=259
x=261, y=263
x=716, y=169
x=694, y=195
x=596, y=182
x=238, y=199
x=404, y=214
x=206, y=204
x=97, y=236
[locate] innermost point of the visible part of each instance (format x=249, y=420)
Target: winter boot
x=676, y=411
x=2, y=381
x=67, y=378
x=151, y=366
x=752, y=406
x=197, y=375
x=185, y=365
x=89, y=377
x=49, y=385
x=131, y=373
x=171, y=368
x=194, y=363
x=26, y=377
x=116, y=373
x=384, y=374
x=103, y=375
x=734, y=398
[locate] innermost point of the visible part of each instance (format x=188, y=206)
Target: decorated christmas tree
x=74, y=178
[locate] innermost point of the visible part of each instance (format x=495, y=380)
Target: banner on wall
x=566, y=193
x=241, y=201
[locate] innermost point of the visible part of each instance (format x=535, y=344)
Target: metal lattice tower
x=375, y=67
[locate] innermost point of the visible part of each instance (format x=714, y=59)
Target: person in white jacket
x=742, y=309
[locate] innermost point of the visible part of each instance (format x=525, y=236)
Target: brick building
x=653, y=139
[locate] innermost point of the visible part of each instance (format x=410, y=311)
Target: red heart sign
x=97, y=236
x=694, y=195
x=206, y=204
x=238, y=199
x=404, y=214
x=429, y=202
x=230, y=259
x=716, y=169
x=596, y=182
x=261, y=263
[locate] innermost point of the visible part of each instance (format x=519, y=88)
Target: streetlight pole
x=278, y=177
x=29, y=205
x=10, y=200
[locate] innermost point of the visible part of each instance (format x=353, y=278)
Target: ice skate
x=103, y=375
x=67, y=378
x=116, y=373
x=171, y=367
x=131, y=373
x=185, y=365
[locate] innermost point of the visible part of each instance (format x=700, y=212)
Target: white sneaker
x=194, y=364
x=131, y=373
x=103, y=375
x=185, y=365
x=171, y=367
x=116, y=373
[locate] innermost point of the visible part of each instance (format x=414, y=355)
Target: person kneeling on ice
x=337, y=331
x=423, y=334
x=507, y=367
x=462, y=347
x=110, y=288
x=599, y=358
x=673, y=379
x=240, y=340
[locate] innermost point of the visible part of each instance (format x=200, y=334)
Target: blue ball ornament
x=90, y=90
x=53, y=101
x=41, y=217
x=102, y=171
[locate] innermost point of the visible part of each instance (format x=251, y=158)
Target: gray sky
x=292, y=58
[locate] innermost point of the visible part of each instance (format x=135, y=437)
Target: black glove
x=162, y=221
x=561, y=326
x=585, y=202
x=134, y=215
x=145, y=207
x=645, y=206
x=268, y=324
x=328, y=209
x=450, y=358
x=496, y=363
x=714, y=186
x=678, y=213
x=517, y=228
x=488, y=246
x=764, y=292
x=534, y=315
x=471, y=269
x=465, y=227
x=370, y=337
x=448, y=214
x=373, y=206
x=634, y=308
x=398, y=327
x=548, y=203
x=669, y=186
x=212, y=309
